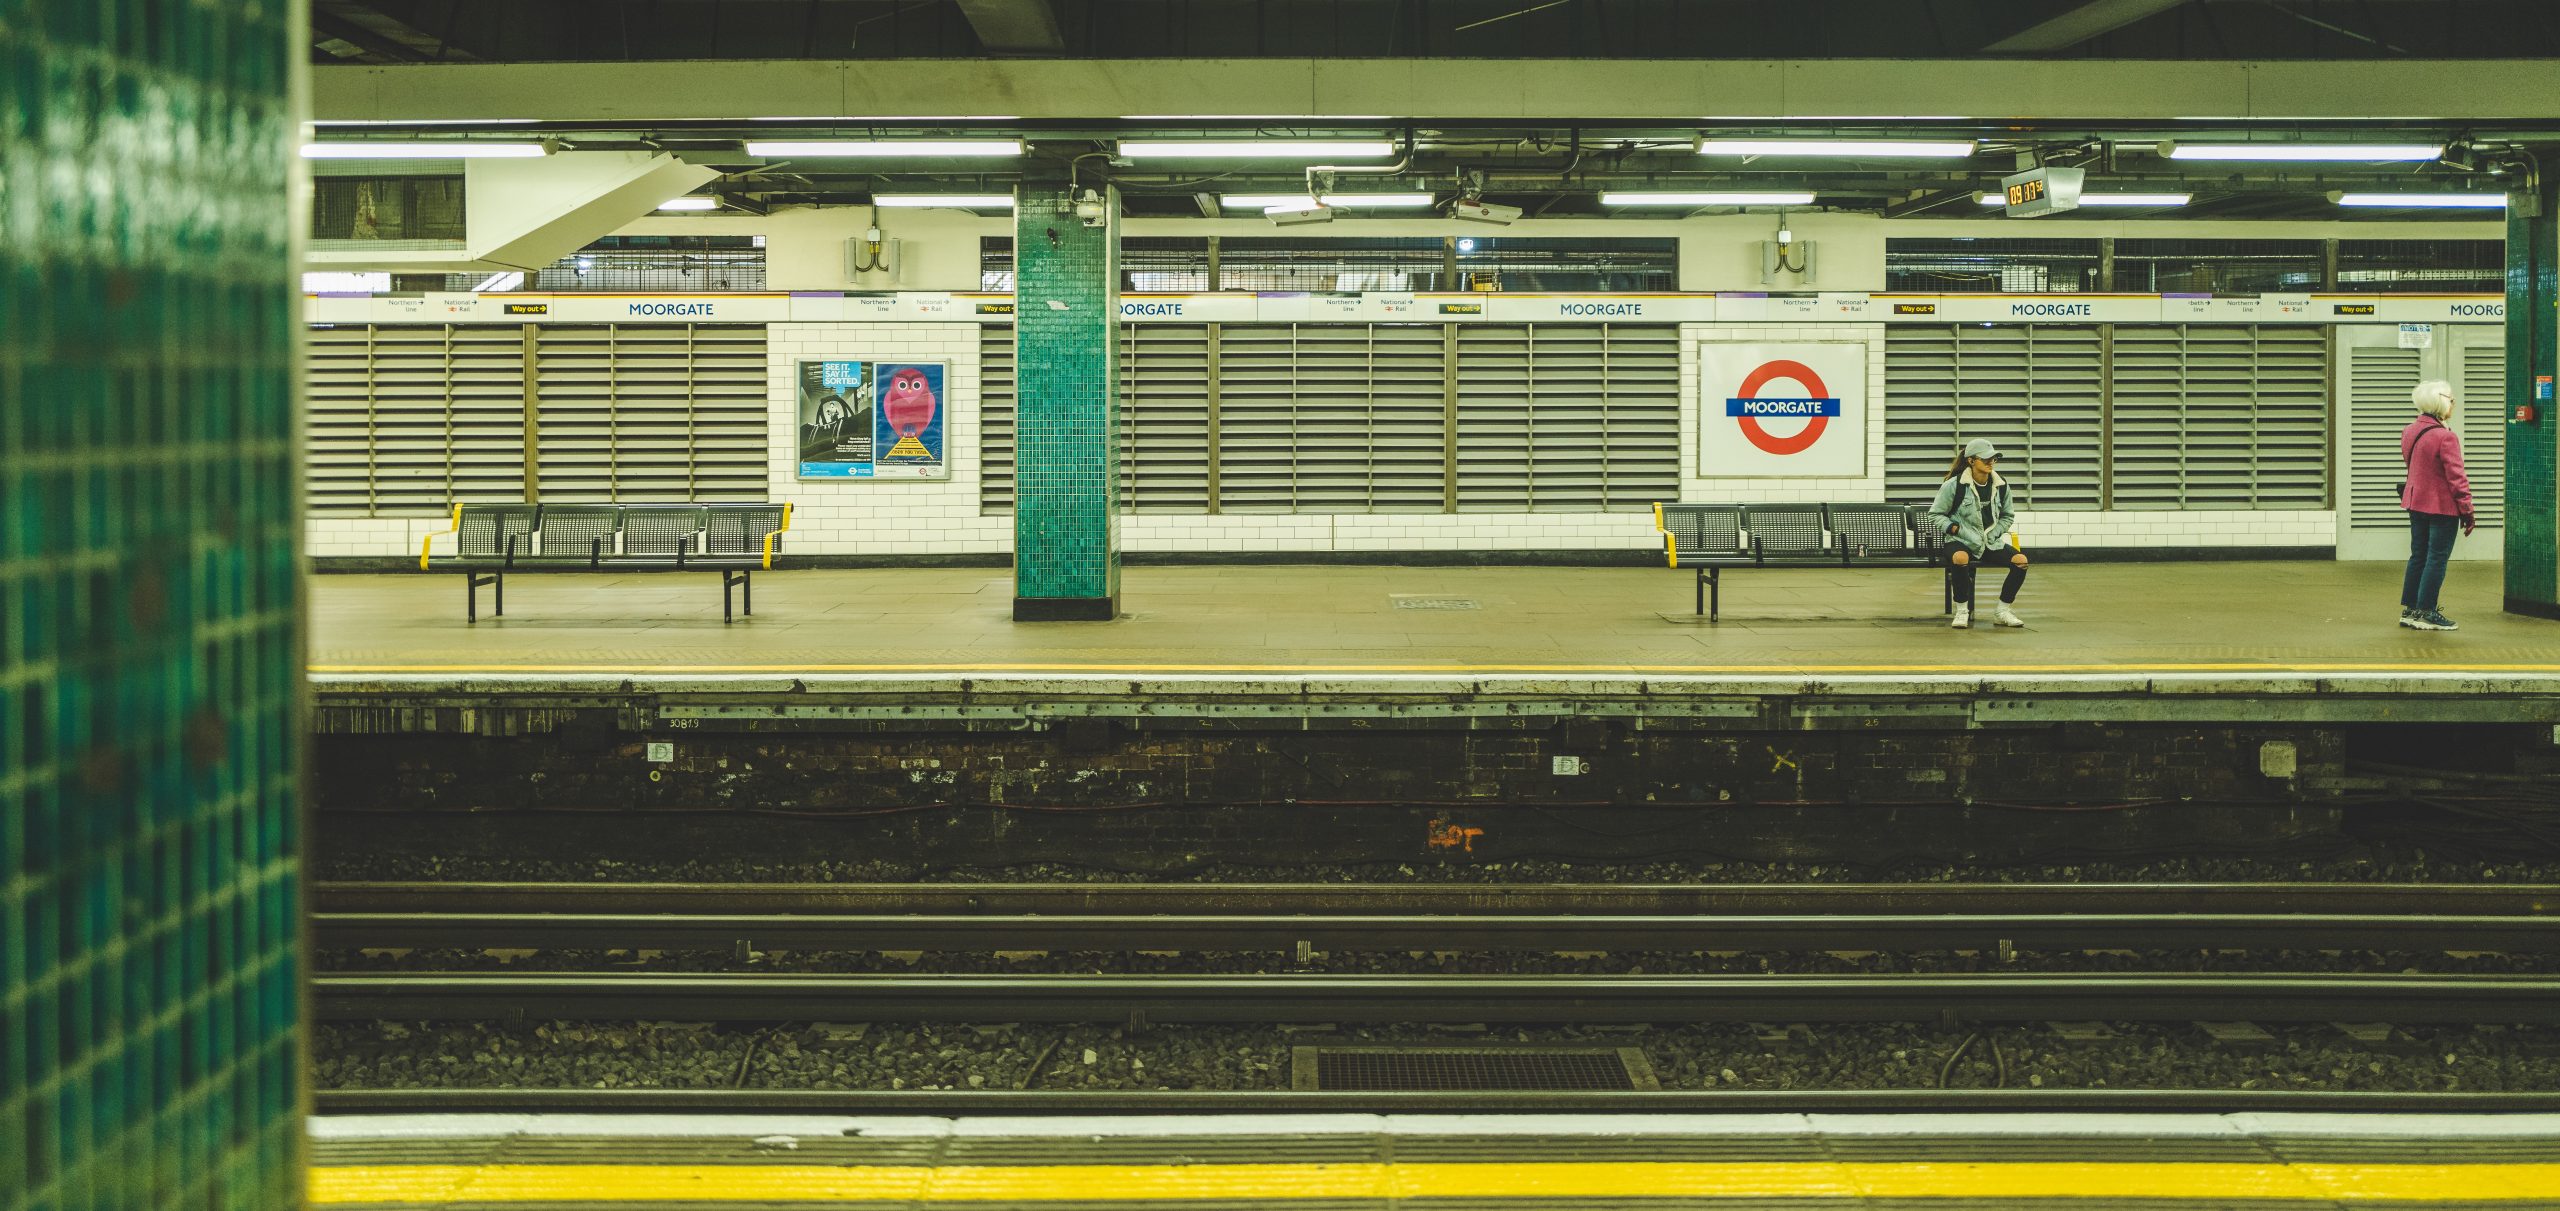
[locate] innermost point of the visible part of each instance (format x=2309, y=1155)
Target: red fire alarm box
x=2524, y=414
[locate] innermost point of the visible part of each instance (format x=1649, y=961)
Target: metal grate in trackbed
x=1461, y=1069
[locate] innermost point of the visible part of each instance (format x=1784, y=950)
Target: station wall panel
x=1331, y=436
x=150, y=608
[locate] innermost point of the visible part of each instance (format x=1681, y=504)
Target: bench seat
x=492, y=541
x=1710, y=538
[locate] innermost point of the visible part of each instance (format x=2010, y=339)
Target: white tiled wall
x=885, y=516
x=908, y=517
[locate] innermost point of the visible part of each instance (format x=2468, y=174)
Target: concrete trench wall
x=1099, y=792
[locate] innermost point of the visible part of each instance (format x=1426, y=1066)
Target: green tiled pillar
x=150, y=607
x=1066, y=516
x=2533, y=355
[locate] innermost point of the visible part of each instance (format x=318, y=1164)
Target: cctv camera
x=1483, y=212
x=1291, y=216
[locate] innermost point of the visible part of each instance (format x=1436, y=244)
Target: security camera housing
x=1484, y=212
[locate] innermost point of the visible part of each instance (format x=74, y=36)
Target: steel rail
x=1298, y=998
x=1284, y=917
x=2473, y=899
x=2255, y=931
x=864, y=1102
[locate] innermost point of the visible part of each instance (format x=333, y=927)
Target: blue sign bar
x=1774, y=406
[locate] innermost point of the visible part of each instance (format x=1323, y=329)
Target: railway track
x=1301, y=998
x=1438, y=917
x=1281, y=1101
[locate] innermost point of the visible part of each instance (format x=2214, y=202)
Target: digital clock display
x=2026, y=191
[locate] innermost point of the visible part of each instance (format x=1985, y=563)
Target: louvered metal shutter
x=995, y=418
x=407, y=418
x=2211, y=416
x=651, y=412
x=1164, y=418
x=1567, y=417
x=2480, y=387
x=1331, y=418
x=2382, y=381
x=2034, y=390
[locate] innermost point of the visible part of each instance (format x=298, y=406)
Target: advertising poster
x=861, y=419
x=1796, y=408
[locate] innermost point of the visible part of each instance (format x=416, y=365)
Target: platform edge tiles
x=1807, y=700
x=1788, y=1159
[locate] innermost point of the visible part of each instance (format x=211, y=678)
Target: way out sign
x=1798, y=408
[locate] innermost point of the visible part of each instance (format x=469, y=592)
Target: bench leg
x=498, y=594
x=1715, y=593
x=471, y=597
x=1702, y=592
x=747, y=593
x=1946, y=592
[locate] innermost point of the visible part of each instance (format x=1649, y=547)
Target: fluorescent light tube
x=1258, y=149
x=690, y=204
x=1863, y=149
x=886, y=148
x=2359, y=152
x=421, y=151
x=2423, y=199
x=1265, y=201
x=951, y=201
x=2109, y=199
x=1706, y=199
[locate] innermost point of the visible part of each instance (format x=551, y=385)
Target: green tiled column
x=150, y=607
x=1066, y=517
x=2533, y=352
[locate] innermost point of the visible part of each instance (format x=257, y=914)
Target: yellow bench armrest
x=429, y=543
x=1670, y=543
x=770, y=535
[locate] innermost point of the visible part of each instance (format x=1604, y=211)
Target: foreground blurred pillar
x=150, y=629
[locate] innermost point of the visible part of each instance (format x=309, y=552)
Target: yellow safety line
x=2211, y=1183
x=1976, y=669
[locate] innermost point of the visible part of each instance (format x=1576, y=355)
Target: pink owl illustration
x=908, y=402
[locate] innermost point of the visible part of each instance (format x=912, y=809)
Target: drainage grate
x=1416, y=601
x=1459, y=1069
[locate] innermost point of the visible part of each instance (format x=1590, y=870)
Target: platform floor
x=2169, y=617
x=1355, y=1162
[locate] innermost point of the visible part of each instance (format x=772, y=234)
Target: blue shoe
x=2431, y=620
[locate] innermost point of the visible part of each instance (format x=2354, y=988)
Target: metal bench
x=492, y=540
x=1712, y=538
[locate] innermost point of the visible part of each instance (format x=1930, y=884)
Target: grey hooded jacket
x=1959, y=505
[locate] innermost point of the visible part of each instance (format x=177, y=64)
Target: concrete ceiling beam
x=1015, y=27
x=2075, y=26
x=1801, y=93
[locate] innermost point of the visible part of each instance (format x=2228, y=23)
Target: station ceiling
x=509, y=31
x=1540, y=104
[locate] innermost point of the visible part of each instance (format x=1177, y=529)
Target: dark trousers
x=1963, y=574
x=2430, y=545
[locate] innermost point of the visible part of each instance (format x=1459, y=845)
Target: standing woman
x=2438, y=497
x=1973, y=517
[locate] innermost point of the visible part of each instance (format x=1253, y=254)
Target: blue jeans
x=2430, y=545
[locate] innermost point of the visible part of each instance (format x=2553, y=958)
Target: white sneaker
x=2000, y=616
x=1963, y=619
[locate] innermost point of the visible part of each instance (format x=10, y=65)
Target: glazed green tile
x=150, y=1039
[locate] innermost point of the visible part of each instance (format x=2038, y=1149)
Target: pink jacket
x=2436, y=482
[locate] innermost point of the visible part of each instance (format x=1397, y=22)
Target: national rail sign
x=1783, y=409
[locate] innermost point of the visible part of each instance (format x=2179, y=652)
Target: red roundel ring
x=1804, y=377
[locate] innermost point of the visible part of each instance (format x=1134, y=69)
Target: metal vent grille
x=1458, y=1069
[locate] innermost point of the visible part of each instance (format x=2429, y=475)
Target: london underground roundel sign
x=1817, y=406
x=1782, y=408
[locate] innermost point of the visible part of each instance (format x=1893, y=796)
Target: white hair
x=2434, y=397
